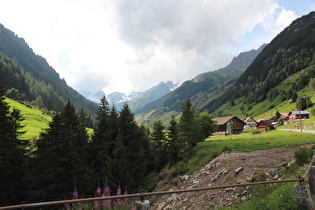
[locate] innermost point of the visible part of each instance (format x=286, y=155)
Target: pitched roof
x=269, y=118
x=266, y=122
x=247, y=119
x=223, y=120
x=299, y=112
x=285, y=114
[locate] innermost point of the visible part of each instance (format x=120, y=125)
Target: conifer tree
x=128, y=165
x=100, y=145
x=173, y=150
x=60, y=158
x=189, y=130
x=12, y=154
x=159, y=145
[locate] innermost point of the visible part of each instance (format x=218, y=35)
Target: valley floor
x=298, y=130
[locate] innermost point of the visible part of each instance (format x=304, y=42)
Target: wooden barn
x=296, y=115
x=229, y=125
x=264, y=125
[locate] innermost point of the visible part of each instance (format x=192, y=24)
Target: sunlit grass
x=246, y=142
x=34, y=121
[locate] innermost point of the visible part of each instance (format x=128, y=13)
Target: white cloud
x=131, y=45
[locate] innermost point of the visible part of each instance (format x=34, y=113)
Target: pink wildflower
x=106, y=193
x=75, y=193
x=126, y=193
x=98, y=191
x=95, y=205
x=119, y=193
x=132, y=205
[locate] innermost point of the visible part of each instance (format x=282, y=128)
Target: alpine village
x=252, y=121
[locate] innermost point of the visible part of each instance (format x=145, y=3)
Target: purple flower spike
x=132, y=206
x=67, y=206
x=106, y=191
x=95, y=205
x=126, y=193
x=98, y=191
x=119, y=193
x=75, y=193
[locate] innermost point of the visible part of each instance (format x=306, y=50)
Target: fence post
x=304, y=197
x=311, y=175
x=311, y=180
x=143, y=204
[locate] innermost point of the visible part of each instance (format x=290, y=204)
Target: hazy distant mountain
x=151, y=95
x=93, y=96
x=137, y=100
x=201, y=90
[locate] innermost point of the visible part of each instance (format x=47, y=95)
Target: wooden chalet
x=228, y=125
x=264, y=125
x=250, y=123
x=296, y=115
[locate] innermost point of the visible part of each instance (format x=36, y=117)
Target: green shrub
x=255, y=131
x=259, y=176
x=178, y=169
x=301, y=156
x=226, y=149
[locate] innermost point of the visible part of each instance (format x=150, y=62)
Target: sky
x=132, y=45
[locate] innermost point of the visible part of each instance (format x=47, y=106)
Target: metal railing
x=51, y=203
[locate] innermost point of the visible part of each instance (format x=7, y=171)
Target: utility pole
x=300, y=113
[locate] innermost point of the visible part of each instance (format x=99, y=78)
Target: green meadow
x=207, y=150
x=34, y=121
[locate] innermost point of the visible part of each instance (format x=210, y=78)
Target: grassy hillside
x=275, y=98
x=213, y=146
x=34, y=121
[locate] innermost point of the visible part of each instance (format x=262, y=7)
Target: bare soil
x=261, y=164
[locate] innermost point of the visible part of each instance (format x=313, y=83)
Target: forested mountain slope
x=201, y=90
x=33, y=77
x=292, y=51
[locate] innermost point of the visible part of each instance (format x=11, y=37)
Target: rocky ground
x=227, y=169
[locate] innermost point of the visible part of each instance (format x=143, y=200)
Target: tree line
x=119, y=154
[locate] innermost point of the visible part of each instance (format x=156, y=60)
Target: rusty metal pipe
x=32, y=205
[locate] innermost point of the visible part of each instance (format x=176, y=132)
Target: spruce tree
x=60, y=158
x=128, y=165
x=159, y=145
x=101, y=140
x=173, y=151
x=12, y=154
x=189, y=130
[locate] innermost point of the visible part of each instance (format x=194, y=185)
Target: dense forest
x=120, y=153
x=32, y=78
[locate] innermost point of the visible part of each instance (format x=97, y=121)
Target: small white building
x=250, y=123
